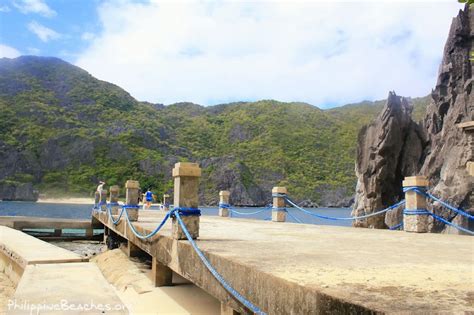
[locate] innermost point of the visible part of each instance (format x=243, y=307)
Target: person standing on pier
x=148, y=198
x=100, y=187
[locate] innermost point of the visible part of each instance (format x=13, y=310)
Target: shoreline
x=79, y=201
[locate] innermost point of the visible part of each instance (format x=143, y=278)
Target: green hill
x=62, y=130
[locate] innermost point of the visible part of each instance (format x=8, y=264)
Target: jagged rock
x=449, y=151
x=394, y=147
x=388, y=149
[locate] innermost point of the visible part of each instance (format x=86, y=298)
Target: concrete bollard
x=131, y=198
x=166, y=203
x=415, y=202
x=186, y=185
x=279, y=204
x=96, y=200
x=103, y=200
x=114, y=194
x=224, y=200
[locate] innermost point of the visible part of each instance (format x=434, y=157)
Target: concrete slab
x=287, y=268
x=21, y=222
x=74, y=288
x=26, y=250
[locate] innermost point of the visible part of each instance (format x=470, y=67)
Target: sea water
x=81, y=211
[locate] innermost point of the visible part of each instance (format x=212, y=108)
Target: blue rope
x=247, y=213
x=344, y=218
x=213, y=271
x=396, y=227
x=115, y=221
x=152, y=233
x=224, y=205
x=451, y=224
x=421, y=191
x=294, y=217
x=185, y=211
x=416, y=212
x=439, y=218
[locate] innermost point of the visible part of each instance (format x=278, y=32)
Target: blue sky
x=326, y=53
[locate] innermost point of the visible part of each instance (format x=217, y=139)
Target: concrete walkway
x=289, y=268
x=73, y=288
x=53, y=279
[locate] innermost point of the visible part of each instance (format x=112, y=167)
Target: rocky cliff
x=394, y=146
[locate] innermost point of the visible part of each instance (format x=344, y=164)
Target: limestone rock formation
x=453, y=103
x=388, y=149
x=393, y=146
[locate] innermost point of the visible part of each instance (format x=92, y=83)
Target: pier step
x=72, y=288
x=18, y=250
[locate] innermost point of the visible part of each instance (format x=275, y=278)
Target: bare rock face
x=393, y=146
x=388, y=149
x=453, y=103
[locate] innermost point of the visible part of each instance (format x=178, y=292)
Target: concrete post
x=279, y=204
x=132, y=250
x=166, y=203
x=96, y=199
x=103, y=200
x=227, y=310
x=161, y=275
x=114, y=194
x=131, y=198
x=186, y=185
x=415, y=222
x=224, y=200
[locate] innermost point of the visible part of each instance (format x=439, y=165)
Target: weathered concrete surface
x=17, y=250
x=74, y=288
x=20, y=222
x=289, y=268
x=131, y=278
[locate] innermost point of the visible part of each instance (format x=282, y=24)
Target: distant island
x=62, y=130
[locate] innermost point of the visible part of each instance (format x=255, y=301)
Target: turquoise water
x=75, y=211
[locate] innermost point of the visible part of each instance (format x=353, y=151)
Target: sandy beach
x=79, y=201
x=131, y=280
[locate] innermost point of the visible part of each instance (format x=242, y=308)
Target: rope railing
x=177, y=213
x=292, y=203
x=418, y=190
x=423, y=192
x=214, y=272
x=233, y=211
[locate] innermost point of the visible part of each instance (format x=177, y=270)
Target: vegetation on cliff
x=63, y=130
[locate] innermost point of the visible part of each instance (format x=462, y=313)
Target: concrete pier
x=166, y=203
x=114, y=195
x=279, y=204
x=131, y=198
x=415, y=202
x=186, y=185
x=308, y=269
x=224, y=200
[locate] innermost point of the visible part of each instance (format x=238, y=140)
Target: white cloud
x=34, y=6
x=8, y=52
x=318, y=52
x=4, y=8
x=87, y=36
x=44, y=33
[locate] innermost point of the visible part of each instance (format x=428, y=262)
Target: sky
x=326, y=53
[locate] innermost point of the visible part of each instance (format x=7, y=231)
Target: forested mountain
x=61, y=130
